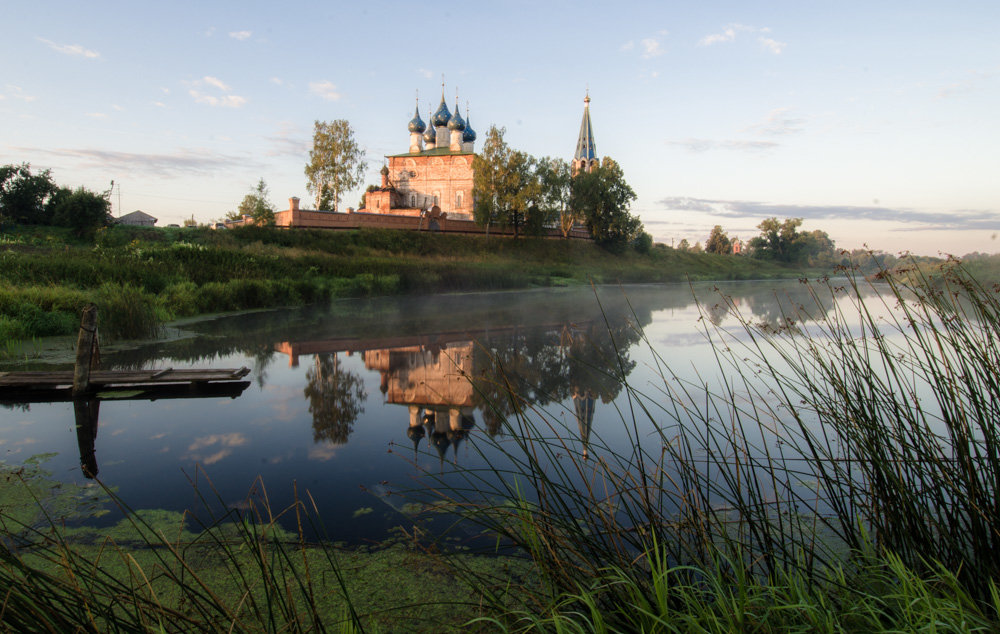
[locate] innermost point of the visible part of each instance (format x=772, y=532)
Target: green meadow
x=141, y=278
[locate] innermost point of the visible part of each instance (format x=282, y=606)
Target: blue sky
x=876, y=122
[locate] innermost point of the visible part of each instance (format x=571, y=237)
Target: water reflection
x=335, y=396
x=335, y=386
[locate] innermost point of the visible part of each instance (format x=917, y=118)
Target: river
x=351, y=403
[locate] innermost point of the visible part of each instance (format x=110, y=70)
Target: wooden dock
x=35, y=387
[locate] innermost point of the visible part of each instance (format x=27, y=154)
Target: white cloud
x=324, y=89
x=225, y=101
x=955, y=220
x=628, y=46
x=97, y=115
x=650, y=48
x=220, y=101
x=70, y=49
x=181, y=162
x=704, y=145
x=423, y=72
x=974, y=80
x=159, y=104
x=728, y=35
x=16, y=93
x=210, y=31
x=277, y=81
x=117, y=108
x=730, y=32
x=772, y=45
x=777, y=123
x=218, y=83
x=240, y=35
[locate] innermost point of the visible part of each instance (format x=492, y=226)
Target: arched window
x=413, y=200
x=437, y=198
x=458, y=200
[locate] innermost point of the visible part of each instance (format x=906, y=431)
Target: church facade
x=435, y=175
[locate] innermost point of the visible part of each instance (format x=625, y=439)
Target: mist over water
x=361, y=398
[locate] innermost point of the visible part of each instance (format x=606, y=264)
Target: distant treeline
x=36, y=199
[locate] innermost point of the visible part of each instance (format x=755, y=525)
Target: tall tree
x=781, y=241
x=604, y=198
x=26, y=197
x=257, y=205
x=336, y=163
x=555, y=177
x=81, y=209
x=505, y=188
x=718, y=241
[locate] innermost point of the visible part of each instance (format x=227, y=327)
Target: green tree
x=643, y=243
x=555, y=177
x=683, y=245
x=781, y=241
x=505, y=188
x=603, y=198
x=718, y=241
x=336, y=163
x=257, y=205
x=25, y=197
x=82, y=210
x=776, y=239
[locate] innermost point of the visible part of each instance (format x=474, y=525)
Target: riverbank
x=144, y=277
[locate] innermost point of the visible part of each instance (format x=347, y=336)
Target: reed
x=822, y=453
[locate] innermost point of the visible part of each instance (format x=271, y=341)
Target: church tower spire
x=585, y=158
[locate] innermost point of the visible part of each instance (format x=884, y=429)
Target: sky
x=876, y=122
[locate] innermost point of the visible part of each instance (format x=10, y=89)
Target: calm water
x=367, y=396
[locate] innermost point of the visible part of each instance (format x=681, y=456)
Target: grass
x=164, y=274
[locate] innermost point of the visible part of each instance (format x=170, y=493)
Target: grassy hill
x=142, y=277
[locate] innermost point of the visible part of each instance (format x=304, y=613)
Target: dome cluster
x=442, y=118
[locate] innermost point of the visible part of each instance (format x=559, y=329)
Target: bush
x=126, y=312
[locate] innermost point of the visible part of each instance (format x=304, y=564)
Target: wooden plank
x=100, y=378
x=231, y=389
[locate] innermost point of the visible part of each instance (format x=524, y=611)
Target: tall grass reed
x=837, y=458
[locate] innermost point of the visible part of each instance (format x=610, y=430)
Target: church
x=435, y=172
x=429, y=187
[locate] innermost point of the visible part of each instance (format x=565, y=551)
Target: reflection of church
x=443, y=378
x=435, y=385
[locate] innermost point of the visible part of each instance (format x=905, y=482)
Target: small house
x=137, y=218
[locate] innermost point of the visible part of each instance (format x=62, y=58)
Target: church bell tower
x=585, y=157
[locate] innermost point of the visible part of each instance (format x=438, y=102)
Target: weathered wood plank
x=101, y=378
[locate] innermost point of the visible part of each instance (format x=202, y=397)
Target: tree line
x=35, y=199
x=779, y=241
x=514, y=190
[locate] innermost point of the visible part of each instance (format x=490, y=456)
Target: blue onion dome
x=456, y=122
x=416, y=123
x=469, y=135
x=442, y=116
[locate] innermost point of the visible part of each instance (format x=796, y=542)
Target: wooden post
x=86, y=344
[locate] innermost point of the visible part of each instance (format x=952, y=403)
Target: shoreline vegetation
x=141, y=278
x=842, y=476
